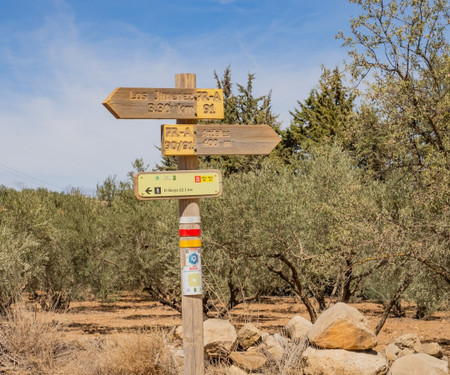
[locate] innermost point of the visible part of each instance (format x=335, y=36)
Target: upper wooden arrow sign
x=188, y=139
x=151, y=103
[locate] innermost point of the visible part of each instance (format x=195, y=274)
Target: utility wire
x=37, y=181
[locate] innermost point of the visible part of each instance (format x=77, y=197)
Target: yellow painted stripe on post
x=190, y=243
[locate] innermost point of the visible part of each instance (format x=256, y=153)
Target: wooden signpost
x=187, y=140
x=206, y=139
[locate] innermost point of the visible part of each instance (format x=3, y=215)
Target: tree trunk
x=406, y=283
x=346, y=281
x=296, y=284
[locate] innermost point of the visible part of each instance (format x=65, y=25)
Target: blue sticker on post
x=193, y=257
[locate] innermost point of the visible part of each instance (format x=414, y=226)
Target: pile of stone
x=340, y=342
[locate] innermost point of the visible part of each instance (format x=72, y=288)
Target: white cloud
x=54, y=124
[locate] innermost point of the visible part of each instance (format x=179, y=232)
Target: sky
x=59, y=59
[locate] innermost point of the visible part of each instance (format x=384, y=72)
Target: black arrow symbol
x=148, y=190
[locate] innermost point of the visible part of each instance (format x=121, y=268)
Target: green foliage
x=403, y=45
x=244, y=108
x=402, y=137
x=19, y=259
x=316, y=228
x=326, y=116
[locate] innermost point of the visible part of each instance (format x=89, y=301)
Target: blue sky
x=59, y=59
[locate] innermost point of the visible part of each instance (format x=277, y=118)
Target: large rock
x=342, y=362
x=409, y=341
x=220, y=338
x=297, y=328
x=419, y=364
x=410, y=344
x=342, y=327
x=433, y=349
x=248, y=335
x=249, y=361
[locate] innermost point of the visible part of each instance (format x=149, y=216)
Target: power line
x=27, y=176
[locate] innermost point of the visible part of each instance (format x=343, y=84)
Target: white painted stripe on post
x=190, y=220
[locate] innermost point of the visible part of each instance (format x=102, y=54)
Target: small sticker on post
x=193, y=258
x=192, y=281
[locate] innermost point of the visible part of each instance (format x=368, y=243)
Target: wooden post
x=189, y=214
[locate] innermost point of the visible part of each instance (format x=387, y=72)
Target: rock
x=248, y=335
x=343, y=362
x=220, y=338
x=419, y=364
x=274, y=348
x=342, y=327
x=297, y=328
x=281, y=340
x=408, y=341
x=406, y=351
x=391, y=352
x=433, y=349
x=178, y=333
x=249, y=361
x=234, y=370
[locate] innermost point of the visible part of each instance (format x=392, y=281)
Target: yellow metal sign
x=178, y=184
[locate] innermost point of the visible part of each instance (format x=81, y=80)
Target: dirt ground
x=133, y=313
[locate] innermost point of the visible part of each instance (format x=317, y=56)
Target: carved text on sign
x=178, y=140
x=152, y=103
x=214, y=138
x=203, y=139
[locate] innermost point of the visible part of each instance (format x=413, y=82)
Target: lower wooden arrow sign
x=188, y=139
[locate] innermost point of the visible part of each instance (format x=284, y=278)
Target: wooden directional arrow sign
x=151, y=103
x=217, y=139
x=178, y=184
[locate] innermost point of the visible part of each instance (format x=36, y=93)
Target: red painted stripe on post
x=189, y=232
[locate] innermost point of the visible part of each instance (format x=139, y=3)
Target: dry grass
x=29, y=345
x=291, y=362
x=142, y=353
